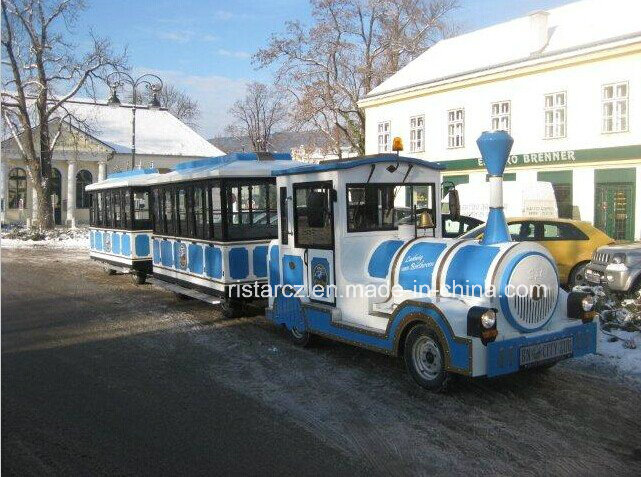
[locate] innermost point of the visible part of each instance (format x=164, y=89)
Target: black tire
x=139, y=278
x=231, y=308
x=425, y=359
x=577, y=275
x=300, y=338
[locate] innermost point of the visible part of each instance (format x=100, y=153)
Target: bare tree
x=178, y=102
x=351, y=48
x=257, y=115
x=45, y=73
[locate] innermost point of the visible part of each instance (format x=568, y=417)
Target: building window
x=555, y=115
x=417, y=134
x=501, y=120
x=455, y=128
x=17, y=188
x=83, y=198
x=615, y=107
x=384, y=142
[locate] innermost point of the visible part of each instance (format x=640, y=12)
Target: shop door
x=614, y=210
x=314, y=232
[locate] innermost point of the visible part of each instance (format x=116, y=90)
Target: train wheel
x=425, y=359
x=231, y=308
x=300, y=338
x=139, y=278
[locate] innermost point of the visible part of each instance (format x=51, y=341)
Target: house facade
x=565, y=83
x=96, y=144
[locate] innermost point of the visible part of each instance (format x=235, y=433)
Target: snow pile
x=60, y=237
x=622, y=349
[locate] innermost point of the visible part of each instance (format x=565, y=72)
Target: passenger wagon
x=213, y=220
x=120, y=223
x=359, y=259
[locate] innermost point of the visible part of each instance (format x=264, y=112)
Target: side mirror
x=316, y=209
x=454, y=204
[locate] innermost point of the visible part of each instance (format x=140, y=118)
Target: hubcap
x=297, y=334
x=427, y=358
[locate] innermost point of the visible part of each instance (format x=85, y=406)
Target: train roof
x=125, y=179
x=350, y=163
x=240, y=164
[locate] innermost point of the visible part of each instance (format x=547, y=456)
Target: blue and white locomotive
x=120, y=223
x=213, y=220
x=358, y=259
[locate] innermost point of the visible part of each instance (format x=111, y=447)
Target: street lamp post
x=118, y=79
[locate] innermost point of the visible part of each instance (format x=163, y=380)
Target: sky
x=205, y=46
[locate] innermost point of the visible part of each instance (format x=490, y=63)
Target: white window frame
x=498, y=116
x=617, y=115
x=556, y=128
x=455, y=139
x=384, y=136
x=417, y=133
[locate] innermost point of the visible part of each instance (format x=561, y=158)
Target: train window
x=108, y=210
x=168, y=214
x=251, y=211
x=99, y=209
x=284, y=218
x=159, y=225
x=181, y=213
x=372, y=207
x=216, y=214
x=313, y=216
x=125, y=200
x=116, y=203
x=141, y=210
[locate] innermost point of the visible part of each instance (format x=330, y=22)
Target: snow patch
x=63, y=238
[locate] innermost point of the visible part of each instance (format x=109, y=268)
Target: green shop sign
x=544, y=159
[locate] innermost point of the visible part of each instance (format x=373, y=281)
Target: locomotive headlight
x=488, y=319
x=588, y=302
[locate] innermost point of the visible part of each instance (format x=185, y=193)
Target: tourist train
x=213, y=220
x=120, y=223
x=356, y=254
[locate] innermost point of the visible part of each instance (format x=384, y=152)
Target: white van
x=520, y=199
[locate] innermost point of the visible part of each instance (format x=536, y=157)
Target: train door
x=314, y=232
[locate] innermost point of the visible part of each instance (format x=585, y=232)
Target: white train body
x=120, y=222
x=371, y=287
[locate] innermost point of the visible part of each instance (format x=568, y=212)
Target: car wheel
x=300, y=338
x=425, y=359
x=139, y=278
x=577, y=275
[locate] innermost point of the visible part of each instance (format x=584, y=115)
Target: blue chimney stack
x=495, y=150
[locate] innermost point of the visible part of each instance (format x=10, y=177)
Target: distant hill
x=281, y=142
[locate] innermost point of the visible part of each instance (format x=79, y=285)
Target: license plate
x=593, y=277
x=544, y=352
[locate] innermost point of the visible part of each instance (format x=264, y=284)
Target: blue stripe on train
x=195, y=253
x=142, y=245
x=213, y=262
x=238, y=263
x=260, y=261
x=289, y=312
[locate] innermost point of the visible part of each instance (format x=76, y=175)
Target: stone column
x=71, y=193
x=102, y=170
x=34, y=204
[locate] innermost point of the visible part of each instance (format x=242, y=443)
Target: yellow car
x=571, y=242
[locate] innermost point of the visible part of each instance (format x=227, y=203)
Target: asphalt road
x=102, y=377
